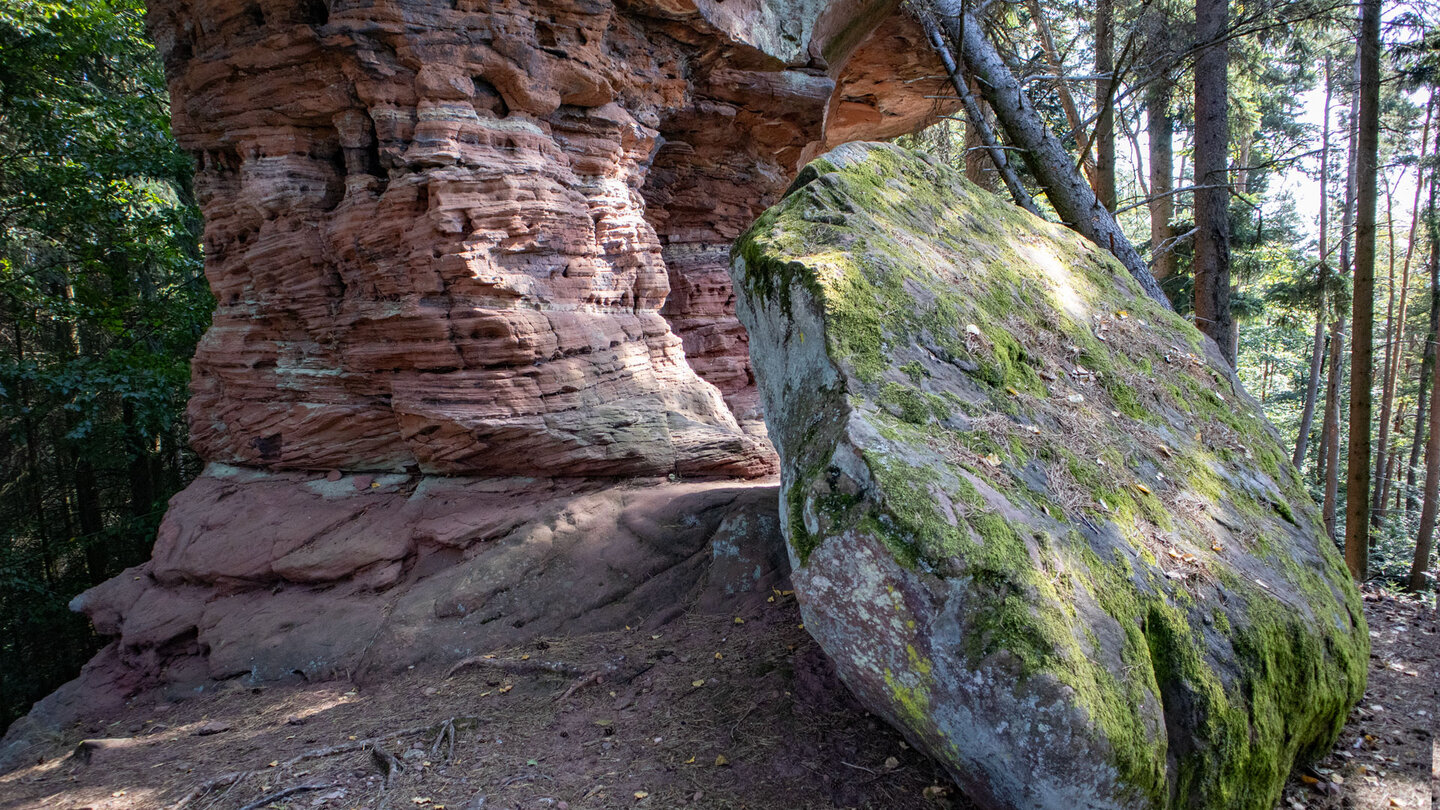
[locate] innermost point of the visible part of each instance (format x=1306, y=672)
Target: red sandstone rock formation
x=438, y=232
x=477, y=239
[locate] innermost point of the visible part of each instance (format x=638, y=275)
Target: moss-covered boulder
x=1035, y=520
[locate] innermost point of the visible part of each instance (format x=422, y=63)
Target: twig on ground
x=229, y=780
x=280, y=794
x=599, y=675
x=511, y=665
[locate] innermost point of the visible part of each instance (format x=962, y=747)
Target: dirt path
x=1388, y=753
x=706, y=712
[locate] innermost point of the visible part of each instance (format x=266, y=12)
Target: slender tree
x=1211, y=264
x=1312, y=387
x=1073, y=198
x=1357, y=502
x=1104, y=94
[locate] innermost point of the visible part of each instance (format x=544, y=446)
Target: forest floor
x=709, y=712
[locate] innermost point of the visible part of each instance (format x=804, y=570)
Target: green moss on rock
x=1066, y=486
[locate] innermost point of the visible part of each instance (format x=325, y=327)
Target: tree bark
x=1382, y=445
x=1105, y=118
x=1425, y=536
x=1069, y=194
x=1312, y=387
x=975, y=116
x=1357, y=501
x=1161, y=126
x=1062, y=87
x=1211, y=263
x=1331, y=436
x=1432, y=335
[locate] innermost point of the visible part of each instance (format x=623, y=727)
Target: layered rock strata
x=473, y=253
x=1035, y=521
x=443, y=236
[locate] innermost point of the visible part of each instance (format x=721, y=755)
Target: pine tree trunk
x=1331, y=437
x=1105, y=117
x=1161, y=126
x=1382, y=445
x=1357, y=500
x=1062, y=87
x=1069, y=194
x=978, y=123
x=1312, y=387
x=1427, y=362
x=1211, y=263
x=1425, y=536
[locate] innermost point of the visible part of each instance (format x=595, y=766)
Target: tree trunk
x=1062, y=87
x=1211, y=263
x=1426, y=366
x=1357, y=501
x=1312, y=387
x=1425, y=536
x=1432, y=335
x=1069, y=194
x=975, y=116
x=1105, y=117
x=1331, y=437
x=1382, y=445
x=1161, y=126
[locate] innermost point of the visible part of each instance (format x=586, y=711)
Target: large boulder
x=1035, y=520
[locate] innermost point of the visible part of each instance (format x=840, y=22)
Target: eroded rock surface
x=274, y=576
x=441, y=234
x=1035, y=520
x=470, y=268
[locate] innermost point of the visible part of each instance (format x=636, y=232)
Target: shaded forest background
x=103, y=297
x=102, y=300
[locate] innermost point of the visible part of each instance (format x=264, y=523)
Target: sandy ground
x=709, y=711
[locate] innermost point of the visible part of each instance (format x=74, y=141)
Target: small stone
x=212, y=727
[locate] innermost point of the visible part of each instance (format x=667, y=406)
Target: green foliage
x=103, y=301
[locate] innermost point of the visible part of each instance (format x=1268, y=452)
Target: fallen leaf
x=1143, y=488
x=640, y=794
x=739, y=620
x=1308, y=779
x=721, y=761
x=993, y=460
x=690, y=761
x=891, y=763
x=698, y=683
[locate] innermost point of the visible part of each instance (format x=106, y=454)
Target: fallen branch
x=229, y=780
x=280, y=794
x=511, y=665
x=598, y=676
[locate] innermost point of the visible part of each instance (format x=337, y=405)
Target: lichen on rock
x=1035, y=519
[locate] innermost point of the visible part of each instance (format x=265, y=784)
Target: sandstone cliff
x=470, y=268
